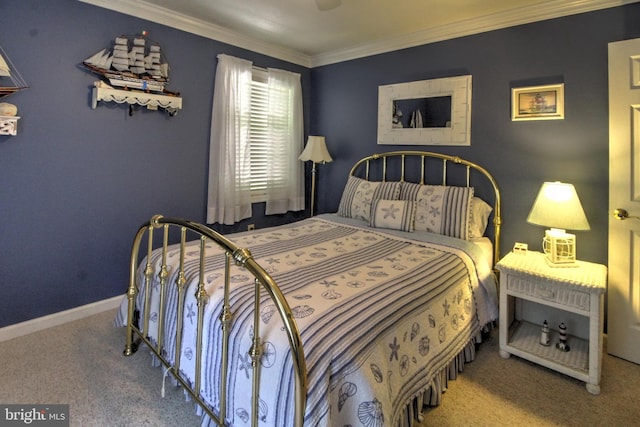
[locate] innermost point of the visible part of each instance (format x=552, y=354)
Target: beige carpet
x=513, y=392
x=81, y=364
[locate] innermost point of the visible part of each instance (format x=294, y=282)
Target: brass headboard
x=425, y=161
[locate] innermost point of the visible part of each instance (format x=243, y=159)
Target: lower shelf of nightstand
x=524, y=341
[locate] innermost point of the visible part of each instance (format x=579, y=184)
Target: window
x=259, y=135
x=274, y=140
x=256, y=137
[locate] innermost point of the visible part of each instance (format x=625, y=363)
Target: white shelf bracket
x=9, y=125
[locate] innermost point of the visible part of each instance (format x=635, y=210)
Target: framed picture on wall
x=537, y=102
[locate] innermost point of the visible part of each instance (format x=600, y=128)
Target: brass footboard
x=137, y=329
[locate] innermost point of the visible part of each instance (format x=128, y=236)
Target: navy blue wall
x=77, y=182
x=521, y=155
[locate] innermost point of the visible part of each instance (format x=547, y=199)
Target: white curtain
x=285, y=143
x=229, y=196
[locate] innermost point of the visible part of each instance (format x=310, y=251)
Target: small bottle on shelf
x=544, y=335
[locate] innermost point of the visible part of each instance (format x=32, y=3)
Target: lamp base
x=550, y=263
x=559, y=248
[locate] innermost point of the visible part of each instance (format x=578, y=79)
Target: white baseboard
x=56, y=319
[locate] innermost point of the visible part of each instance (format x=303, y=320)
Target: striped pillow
x=359, y=193
x=409, y=191
x=394, y=214
x=441, y=209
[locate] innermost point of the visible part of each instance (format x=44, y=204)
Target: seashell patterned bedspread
x=380, y=315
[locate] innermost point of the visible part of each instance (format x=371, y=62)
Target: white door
x=623, y=293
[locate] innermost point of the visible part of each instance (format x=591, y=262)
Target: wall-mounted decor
x=10, y=79
x=134, y=72
x=152, y=101
x=10, y=82
x=9, y=125
x=537, y=102
x=426, y=112
x=8, y=119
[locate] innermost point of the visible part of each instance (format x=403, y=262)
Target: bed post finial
x=155, y=221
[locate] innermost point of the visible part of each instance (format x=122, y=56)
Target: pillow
x=409, y=191
x=393, y=214
x=359, y=193
x=441, y=209
x=480, y=211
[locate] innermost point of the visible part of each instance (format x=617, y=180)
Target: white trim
x=522, y=15
x=169, y=18
x=57, y=319
x=496, y=21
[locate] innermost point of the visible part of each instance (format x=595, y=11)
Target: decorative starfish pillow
x=393, y=214
x=358, y=195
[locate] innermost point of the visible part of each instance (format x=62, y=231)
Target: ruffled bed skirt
x=432, y=395
x=414, y=409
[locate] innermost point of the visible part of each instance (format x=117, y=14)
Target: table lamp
x=557, y=206
x=316, y=151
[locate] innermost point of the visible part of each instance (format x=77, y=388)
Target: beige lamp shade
x=558, y=206
x=316, y=151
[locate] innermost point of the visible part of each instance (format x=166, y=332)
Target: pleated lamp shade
x=316, y=150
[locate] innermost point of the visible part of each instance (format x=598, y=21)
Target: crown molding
x=169, y=18
x=496, y=21
x=522, y=15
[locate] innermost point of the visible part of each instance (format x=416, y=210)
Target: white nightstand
x=578, y=289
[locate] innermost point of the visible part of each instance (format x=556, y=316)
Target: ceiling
x=298, y=31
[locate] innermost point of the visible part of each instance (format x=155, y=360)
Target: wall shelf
x=9, y=125
x=152, y=101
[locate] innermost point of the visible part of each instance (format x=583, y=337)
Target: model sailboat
x=129, y=64
x=10, y=80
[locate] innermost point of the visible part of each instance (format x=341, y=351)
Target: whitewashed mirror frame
x=457, y=133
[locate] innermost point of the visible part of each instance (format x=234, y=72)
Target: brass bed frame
x=138, y=323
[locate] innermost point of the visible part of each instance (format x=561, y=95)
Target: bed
x=358, y=317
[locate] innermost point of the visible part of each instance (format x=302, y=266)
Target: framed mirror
x=425, y=112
